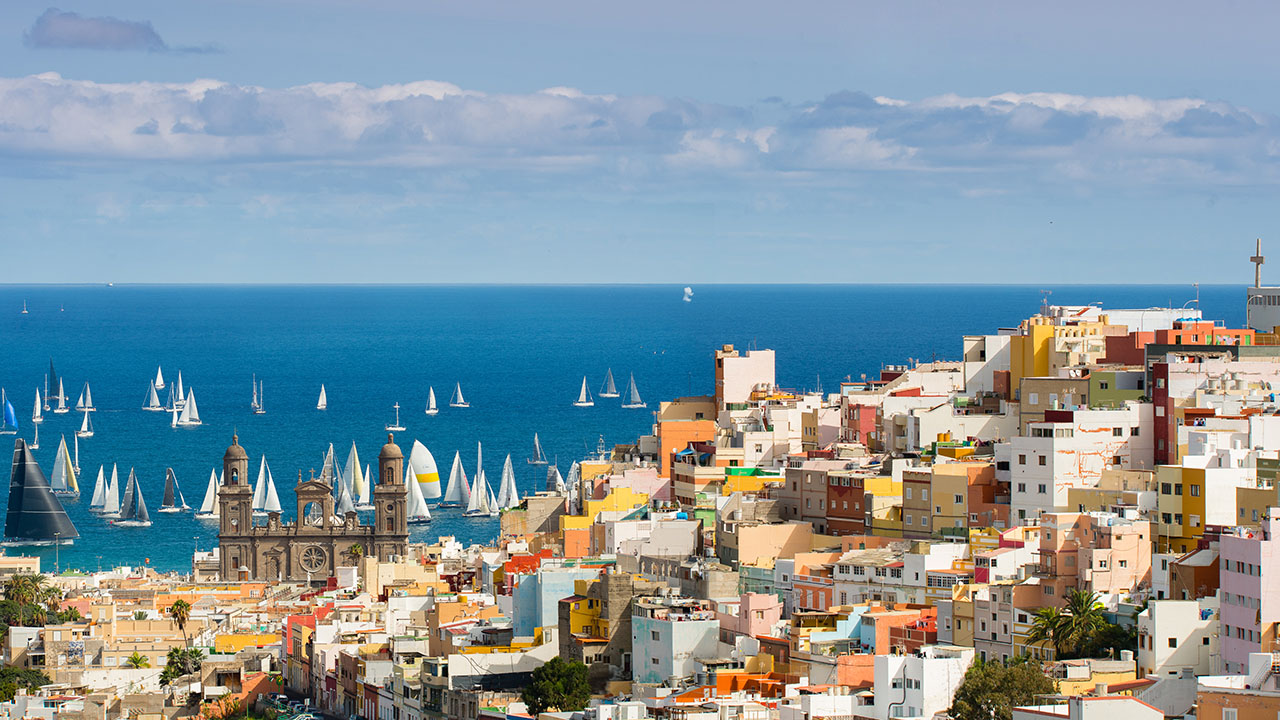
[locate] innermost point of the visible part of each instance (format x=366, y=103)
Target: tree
x=179, y=662
x=560, y=685
x=1044, y=628
x=12, y=678
x=25, y=588
x=1081, y=622
x=990, y=690
x=181, y=612
x=137, y=661
x=354, y=553
x=139, y=614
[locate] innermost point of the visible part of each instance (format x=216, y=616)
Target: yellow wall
x=228, y=644
x=1029, y=353
x=1087, y=685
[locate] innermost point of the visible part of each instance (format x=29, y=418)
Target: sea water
x=520, y=353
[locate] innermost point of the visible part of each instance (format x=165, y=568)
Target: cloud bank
x=58, y=29
x=974, y=141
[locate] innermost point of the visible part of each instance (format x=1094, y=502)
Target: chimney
x=1100, y=689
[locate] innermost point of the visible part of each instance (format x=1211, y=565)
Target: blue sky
x=650, y=142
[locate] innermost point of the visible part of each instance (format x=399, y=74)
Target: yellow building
x=618, y=499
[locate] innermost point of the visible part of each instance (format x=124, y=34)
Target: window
x=924, y=494
x=1043, y=488
x=959, y=499
x=1041, y=459
x=1022, y=487
x=1173, y=642
x=1033, y=398
x=1195, y=491
x=907, y=492
x=653, y=661
x=1115, y=460
x=1102, y=385
x=1166, y=489
x=1022, y=459
x=654, y=634
x=1117, y=432
x=1159, y=411
x=1177, y=489
x=1160, y=384
x=1133, y=431
x=1124, y=563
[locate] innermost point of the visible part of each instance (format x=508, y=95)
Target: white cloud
x=1011, y=136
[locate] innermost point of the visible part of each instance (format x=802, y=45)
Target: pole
x=56, y=554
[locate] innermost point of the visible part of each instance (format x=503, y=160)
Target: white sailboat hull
x=132, y=523
x=171, y=509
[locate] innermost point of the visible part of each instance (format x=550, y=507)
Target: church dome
x=235, y=452
x=390, y=451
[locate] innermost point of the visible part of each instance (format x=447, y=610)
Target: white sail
x=209, y=508
x=459, y=491
x=457, y=400
x=253, y=404
x=37, y=415
x=273, y=500
x=323, y=402
x=415, y=505
x=62, y=400
x=181, y=393
x=344, y=504
x=493, y=504
x=61, y=467
x=608, y=389
x=86, y=427
x=478, y=504
x=190, y=414
x=159, y=383
x=431, y=401
x=555, y=481
x=88, y=399
x=99, y=491
x=396, y=426
x=111, y=506
x=422, y=464
x=633, y=395
x=508, y=493
x=152, y=400
x=35, y=442
x=584, y=395
x=260, y=489
x=539, y=457
x=571, y=487
x=355, y=480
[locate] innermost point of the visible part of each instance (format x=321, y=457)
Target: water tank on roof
x=682, y=516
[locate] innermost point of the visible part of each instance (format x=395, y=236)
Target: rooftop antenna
x=1257, y=261
x=1044, y=301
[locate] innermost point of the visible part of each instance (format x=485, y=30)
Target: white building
x=1107, y=707
x=1177, y=634
x=669, y=635
x=919, y=685
x=1071, y=449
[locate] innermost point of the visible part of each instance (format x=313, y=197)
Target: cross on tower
x=1257, y=261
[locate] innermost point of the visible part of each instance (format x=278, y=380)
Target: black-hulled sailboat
x=173, y=501
x=133, y=512
x=35, y=516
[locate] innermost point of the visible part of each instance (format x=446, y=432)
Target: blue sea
x=520, y=353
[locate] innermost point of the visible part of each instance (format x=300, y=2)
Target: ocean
x=520, y=353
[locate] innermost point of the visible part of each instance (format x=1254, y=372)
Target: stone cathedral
x=312, y=547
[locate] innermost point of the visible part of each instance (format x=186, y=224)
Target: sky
x=566, y=141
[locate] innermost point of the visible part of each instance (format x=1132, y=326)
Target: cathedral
x=312, y=547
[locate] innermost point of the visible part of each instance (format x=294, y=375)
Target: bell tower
x=391, y=522
x=235, y=497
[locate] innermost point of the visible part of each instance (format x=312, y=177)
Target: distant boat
x=254, y=404
x=262, y=400
x=159, y=378
x=190, y=415
x=134, y=513
x=50, y=381
x=416, y=509
x=265, y=499
x=24, y=308
x=396, y=426
x=8, y=418
x=34, y=514
x=425, y=473
x=431, y=401
x=63, y=483
x=481, y=503
x=539, y=458
x=328, y=467
x=457, y=400
x=344, y=504
x=99, y=492
x=178, y=393
x=355, y=480
x=555, y=481
x=61, y=408
x=608, y=390
x=37, y=414
x=458, y=494
x=35, y=442
x=688, y=294
x=152, y=400
x=633, y=396
x=323, y=402
x=584, y=395
x=508, y=493
x=173, y=501
x=76, y=442
x=85, y=403
x=111, y=501
x=86, y=427
x=209, y=508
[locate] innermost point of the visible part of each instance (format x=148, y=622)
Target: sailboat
x=633, y=396
x=323, y=402
x=416, y=510
x=262, y=400
x=76, y=440
x=265, y=499
x=396, y=426
x=111, y=501
x=254, y=404
x=8, y=418
x=35, y=442
x=584, y=395
x=431, y=401
x=209, y=508
x=177, y=393
x=508, y=493
x=555, y=481
x=356, y=480
x=425, y=473
x=34, y=514
x=86, y=399
x=173, y=501
x=190, y=415
x=99, y=492
x=539, y=458
x=24, y=308
x=482, y=503
x=86, y=427
x=328, y=467
x=51, y=381
x=458, y=494
x=37, y=414
x=159, y=383
x=61, y=408
x=344, y=504
x=152, y=400
x=457, y=400
x=134, y=513
x=608, y=390
x=63, y=483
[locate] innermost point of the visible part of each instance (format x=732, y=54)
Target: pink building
x=1095, y=552
x=752, y=615
x=1249, y=584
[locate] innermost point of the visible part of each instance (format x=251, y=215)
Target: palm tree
x=1081, y=620
x=181, y=612
x=137, y=661
x=1046, y=627
x=25, y=588
x=139, y=614
x=354, y=553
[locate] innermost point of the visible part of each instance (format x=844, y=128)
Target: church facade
x=311, y=548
